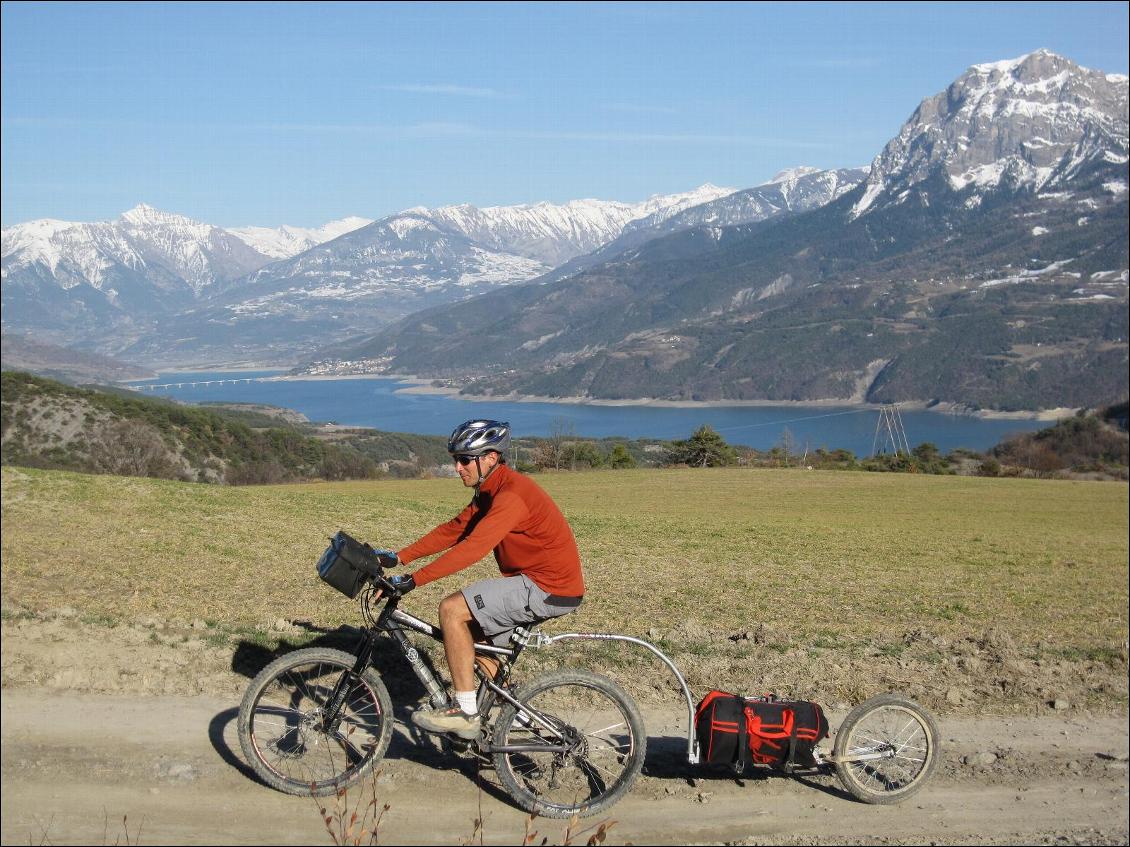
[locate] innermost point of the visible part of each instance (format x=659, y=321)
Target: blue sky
x=268, y=113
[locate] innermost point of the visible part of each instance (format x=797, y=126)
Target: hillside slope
x=47, y=424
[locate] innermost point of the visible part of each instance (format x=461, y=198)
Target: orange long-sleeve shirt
x=513, y=516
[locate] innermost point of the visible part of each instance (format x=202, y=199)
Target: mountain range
x=161, y=288
x=981, y=259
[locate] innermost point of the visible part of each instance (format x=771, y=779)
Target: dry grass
x=839, y=562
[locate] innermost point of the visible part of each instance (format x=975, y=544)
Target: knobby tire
x=281, y=734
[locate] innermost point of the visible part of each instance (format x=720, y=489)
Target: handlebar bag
x=736, y=731
x=347, y=563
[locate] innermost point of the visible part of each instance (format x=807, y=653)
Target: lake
x=381, y=404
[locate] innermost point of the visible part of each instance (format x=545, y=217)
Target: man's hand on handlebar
x=403, y=583
x=387, y=558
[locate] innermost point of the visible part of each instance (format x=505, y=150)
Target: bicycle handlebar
x=386, y=586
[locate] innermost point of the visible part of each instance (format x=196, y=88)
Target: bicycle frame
x=394, y=621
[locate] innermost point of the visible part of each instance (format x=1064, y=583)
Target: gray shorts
x=499, y=605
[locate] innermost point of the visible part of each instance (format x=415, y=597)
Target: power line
x=793, y=420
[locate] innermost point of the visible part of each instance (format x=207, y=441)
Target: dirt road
x=75, y=764
x=101, y=722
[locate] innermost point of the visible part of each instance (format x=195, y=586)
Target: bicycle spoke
x=606, y=729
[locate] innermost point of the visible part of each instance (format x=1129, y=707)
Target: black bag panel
x=347, y=563
x=718, y=725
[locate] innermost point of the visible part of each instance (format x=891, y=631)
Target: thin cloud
x=843, y=63
x=442, y=129
x=431, y=129
x=667, y=137
x=449, y=130
x=639, y=109
x=450, y=90
x=37, y=122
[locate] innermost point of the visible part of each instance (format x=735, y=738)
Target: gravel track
x=103, y=723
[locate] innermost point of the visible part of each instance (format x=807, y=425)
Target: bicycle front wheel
x=886, y=749
x=594, y=739
x=283, y=728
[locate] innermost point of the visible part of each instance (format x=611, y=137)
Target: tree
x=706, y=448
x=927, y=452
x=561, y=431
x=788, y=444
x=583, y=453
x=620, y=458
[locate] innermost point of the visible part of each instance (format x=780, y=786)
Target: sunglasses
x=465, y=460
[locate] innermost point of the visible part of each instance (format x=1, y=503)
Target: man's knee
x=453, y=609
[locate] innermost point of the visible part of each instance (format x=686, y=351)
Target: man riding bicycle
x=536, y=553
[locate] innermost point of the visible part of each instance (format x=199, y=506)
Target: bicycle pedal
x=458, y=745
x=464, y=749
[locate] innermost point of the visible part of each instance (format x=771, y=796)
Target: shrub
x=706, y=448
x=133, y=448
x=619, y=458
x=989, y=467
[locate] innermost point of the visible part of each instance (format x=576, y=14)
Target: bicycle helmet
x=479, y=437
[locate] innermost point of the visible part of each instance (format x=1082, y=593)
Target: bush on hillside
x=1085, y=443
x=706, y=448
x=134, y=448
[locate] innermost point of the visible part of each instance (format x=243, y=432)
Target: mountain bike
x=312, y=722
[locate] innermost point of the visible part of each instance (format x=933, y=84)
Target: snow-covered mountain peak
x=286, y=241
x=174, y=255
x=552, y=233
x=32, y=236
x=793, y=174
x=1008, y=66
x=662, y=206
x=1027, y=121
x=346, y=224
x=404, y=225
x=145, y=215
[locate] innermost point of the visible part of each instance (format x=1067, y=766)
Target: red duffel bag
x=736, y=731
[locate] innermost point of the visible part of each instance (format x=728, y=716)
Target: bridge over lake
x=201, y=383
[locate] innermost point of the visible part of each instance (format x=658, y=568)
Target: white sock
x=466, y=701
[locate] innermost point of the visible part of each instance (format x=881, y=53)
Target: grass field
x=819, y=573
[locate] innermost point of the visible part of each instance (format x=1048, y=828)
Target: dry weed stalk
x=598, y=837
x=356, y=825
x=599, y=832
x=125, y=831
x=476, y=831
x=43, y=830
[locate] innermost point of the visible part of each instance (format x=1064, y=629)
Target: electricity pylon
x=889, y=428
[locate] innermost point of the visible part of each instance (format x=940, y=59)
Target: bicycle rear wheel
x=598, y=723
x=281, y=727
x=889, y=746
